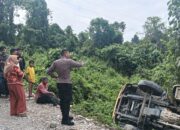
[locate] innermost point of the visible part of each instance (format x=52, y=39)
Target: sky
x=79, y=13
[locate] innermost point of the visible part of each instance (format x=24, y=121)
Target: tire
x=150, y=87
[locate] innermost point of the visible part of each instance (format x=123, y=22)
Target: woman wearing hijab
x=14, y=77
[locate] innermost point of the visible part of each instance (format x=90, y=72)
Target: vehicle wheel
x=150, y=87
x=130, y=127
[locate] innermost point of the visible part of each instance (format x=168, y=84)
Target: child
x=44, y=96
x=30, y=76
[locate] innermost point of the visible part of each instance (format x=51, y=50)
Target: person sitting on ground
x=43, y=96
x=30, y=73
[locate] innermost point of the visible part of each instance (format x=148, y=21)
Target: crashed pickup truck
x=146, y=106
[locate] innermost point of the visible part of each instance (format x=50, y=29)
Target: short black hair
x=31, y=61
x=63, y=51
x=12, y=51
x=18, y=49
x=43, y=79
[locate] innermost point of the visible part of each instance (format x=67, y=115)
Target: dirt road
x=42, y=117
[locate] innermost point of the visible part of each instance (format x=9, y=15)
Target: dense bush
x=95, y=86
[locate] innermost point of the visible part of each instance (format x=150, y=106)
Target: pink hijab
x=10, y=63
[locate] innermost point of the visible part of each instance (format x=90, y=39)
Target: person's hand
x=51, y=93
x=82, y=62
x=20, y=59
x=54, y=76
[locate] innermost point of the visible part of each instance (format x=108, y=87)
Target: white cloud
x=79, y=13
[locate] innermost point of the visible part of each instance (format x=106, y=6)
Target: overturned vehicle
x=146, y=106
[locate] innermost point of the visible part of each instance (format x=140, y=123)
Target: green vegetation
x=110, y=62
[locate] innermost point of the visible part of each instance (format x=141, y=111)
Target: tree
x=174, y=21
x=7, y=27
x=154, y=29
x=56, y=36
x=102, y=33
x=2, y=2
x=37, y=14
x=135, y=39
x=174, y=15
x=83, y=37
x=71, y=39
x=118, y=29
x=55, y=29
x=37, y=22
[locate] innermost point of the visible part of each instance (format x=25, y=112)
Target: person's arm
x=42, y=89
x=18, y=71
x=51, y=70
x=75, y=64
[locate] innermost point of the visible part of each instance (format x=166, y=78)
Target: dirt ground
x=42, y=117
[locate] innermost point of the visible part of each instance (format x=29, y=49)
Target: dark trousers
x=65, y=95
x=3, y=86
x=47, y=99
